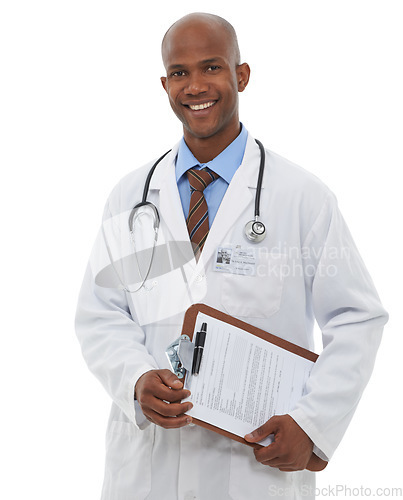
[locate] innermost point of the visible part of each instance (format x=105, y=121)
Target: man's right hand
x=159, y=393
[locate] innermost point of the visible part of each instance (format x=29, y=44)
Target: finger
x=271, y=452
x=170, y=379
x=171, y=409
x=169, y=422
x=315, y=463
x=164, y=393
x=270, y=427
x=277, y=462
x=283, y=464
x=289, y=467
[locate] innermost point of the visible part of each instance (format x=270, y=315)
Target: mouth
x=200, y=106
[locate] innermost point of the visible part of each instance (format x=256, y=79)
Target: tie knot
x=200, y=179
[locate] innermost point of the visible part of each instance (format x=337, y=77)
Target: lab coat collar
x=239, y=195
x=225, y=164
x=165, y=168
x=249, y=172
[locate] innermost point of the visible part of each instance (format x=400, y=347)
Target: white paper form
x=243, y=380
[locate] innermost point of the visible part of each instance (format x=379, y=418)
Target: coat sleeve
x=112, y=343
x=349, y=313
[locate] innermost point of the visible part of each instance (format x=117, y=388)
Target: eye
x=213, y=68
x=177, y=74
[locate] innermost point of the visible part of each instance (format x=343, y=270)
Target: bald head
x=209, y=21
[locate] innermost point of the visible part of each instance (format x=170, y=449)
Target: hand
x=291, y=449
x=159, y=393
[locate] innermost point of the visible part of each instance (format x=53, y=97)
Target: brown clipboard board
x=315, y=463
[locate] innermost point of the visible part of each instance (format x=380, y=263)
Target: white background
x=81, y=105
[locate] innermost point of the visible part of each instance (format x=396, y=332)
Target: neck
x=205, y=149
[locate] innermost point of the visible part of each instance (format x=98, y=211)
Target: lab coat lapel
x=170, y=206
x=238, y=196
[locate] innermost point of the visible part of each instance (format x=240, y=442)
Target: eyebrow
x=175, y=66
x=172, y=67
x=212, y=60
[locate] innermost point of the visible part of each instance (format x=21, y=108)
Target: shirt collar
x=225, y=164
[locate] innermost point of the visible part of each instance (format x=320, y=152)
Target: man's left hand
x=291, y=448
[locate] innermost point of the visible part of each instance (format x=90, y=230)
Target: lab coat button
x=190, y=496
x=199, y=278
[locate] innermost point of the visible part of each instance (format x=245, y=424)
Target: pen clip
x=195, y=362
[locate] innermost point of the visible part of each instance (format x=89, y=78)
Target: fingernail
x=176, y=382
x=189, y=420
x=249, y=436
x=190, y=406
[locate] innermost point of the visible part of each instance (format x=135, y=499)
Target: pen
x=198, y=350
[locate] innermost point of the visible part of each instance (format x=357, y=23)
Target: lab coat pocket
x=128, y=461
x=257, y=296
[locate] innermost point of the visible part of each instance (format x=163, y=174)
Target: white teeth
x=196, y=107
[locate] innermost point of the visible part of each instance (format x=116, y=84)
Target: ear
x=243, y=74
x=164, y=82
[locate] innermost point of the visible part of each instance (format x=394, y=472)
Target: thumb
x=270, y=427
x=170, y=379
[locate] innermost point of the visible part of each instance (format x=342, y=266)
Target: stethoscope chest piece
x=255, y=231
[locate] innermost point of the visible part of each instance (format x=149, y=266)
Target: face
x=203, y=79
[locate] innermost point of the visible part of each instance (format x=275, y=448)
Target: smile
x=205, y=105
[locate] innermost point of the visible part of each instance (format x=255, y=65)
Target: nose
x=196, y=85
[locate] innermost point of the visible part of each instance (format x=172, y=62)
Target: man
x=308, y=267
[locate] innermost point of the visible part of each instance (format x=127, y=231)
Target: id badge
x=235, y=259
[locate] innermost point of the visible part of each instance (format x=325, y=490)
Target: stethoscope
x=255, y=230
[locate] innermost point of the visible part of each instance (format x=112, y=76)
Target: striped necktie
x=197, y=220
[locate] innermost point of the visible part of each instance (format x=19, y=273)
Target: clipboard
x=315, y=463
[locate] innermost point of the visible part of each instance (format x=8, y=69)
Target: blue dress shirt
x=225, y=165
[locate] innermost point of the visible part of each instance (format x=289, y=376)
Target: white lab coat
x=307, y=267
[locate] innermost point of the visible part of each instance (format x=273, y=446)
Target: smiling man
x=204, y=76
x=307, y=267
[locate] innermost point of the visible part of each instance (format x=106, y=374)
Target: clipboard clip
x=180, y=355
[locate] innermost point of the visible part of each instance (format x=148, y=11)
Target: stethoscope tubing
x=148, y=180
x=254, y=237
x=260, y=178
